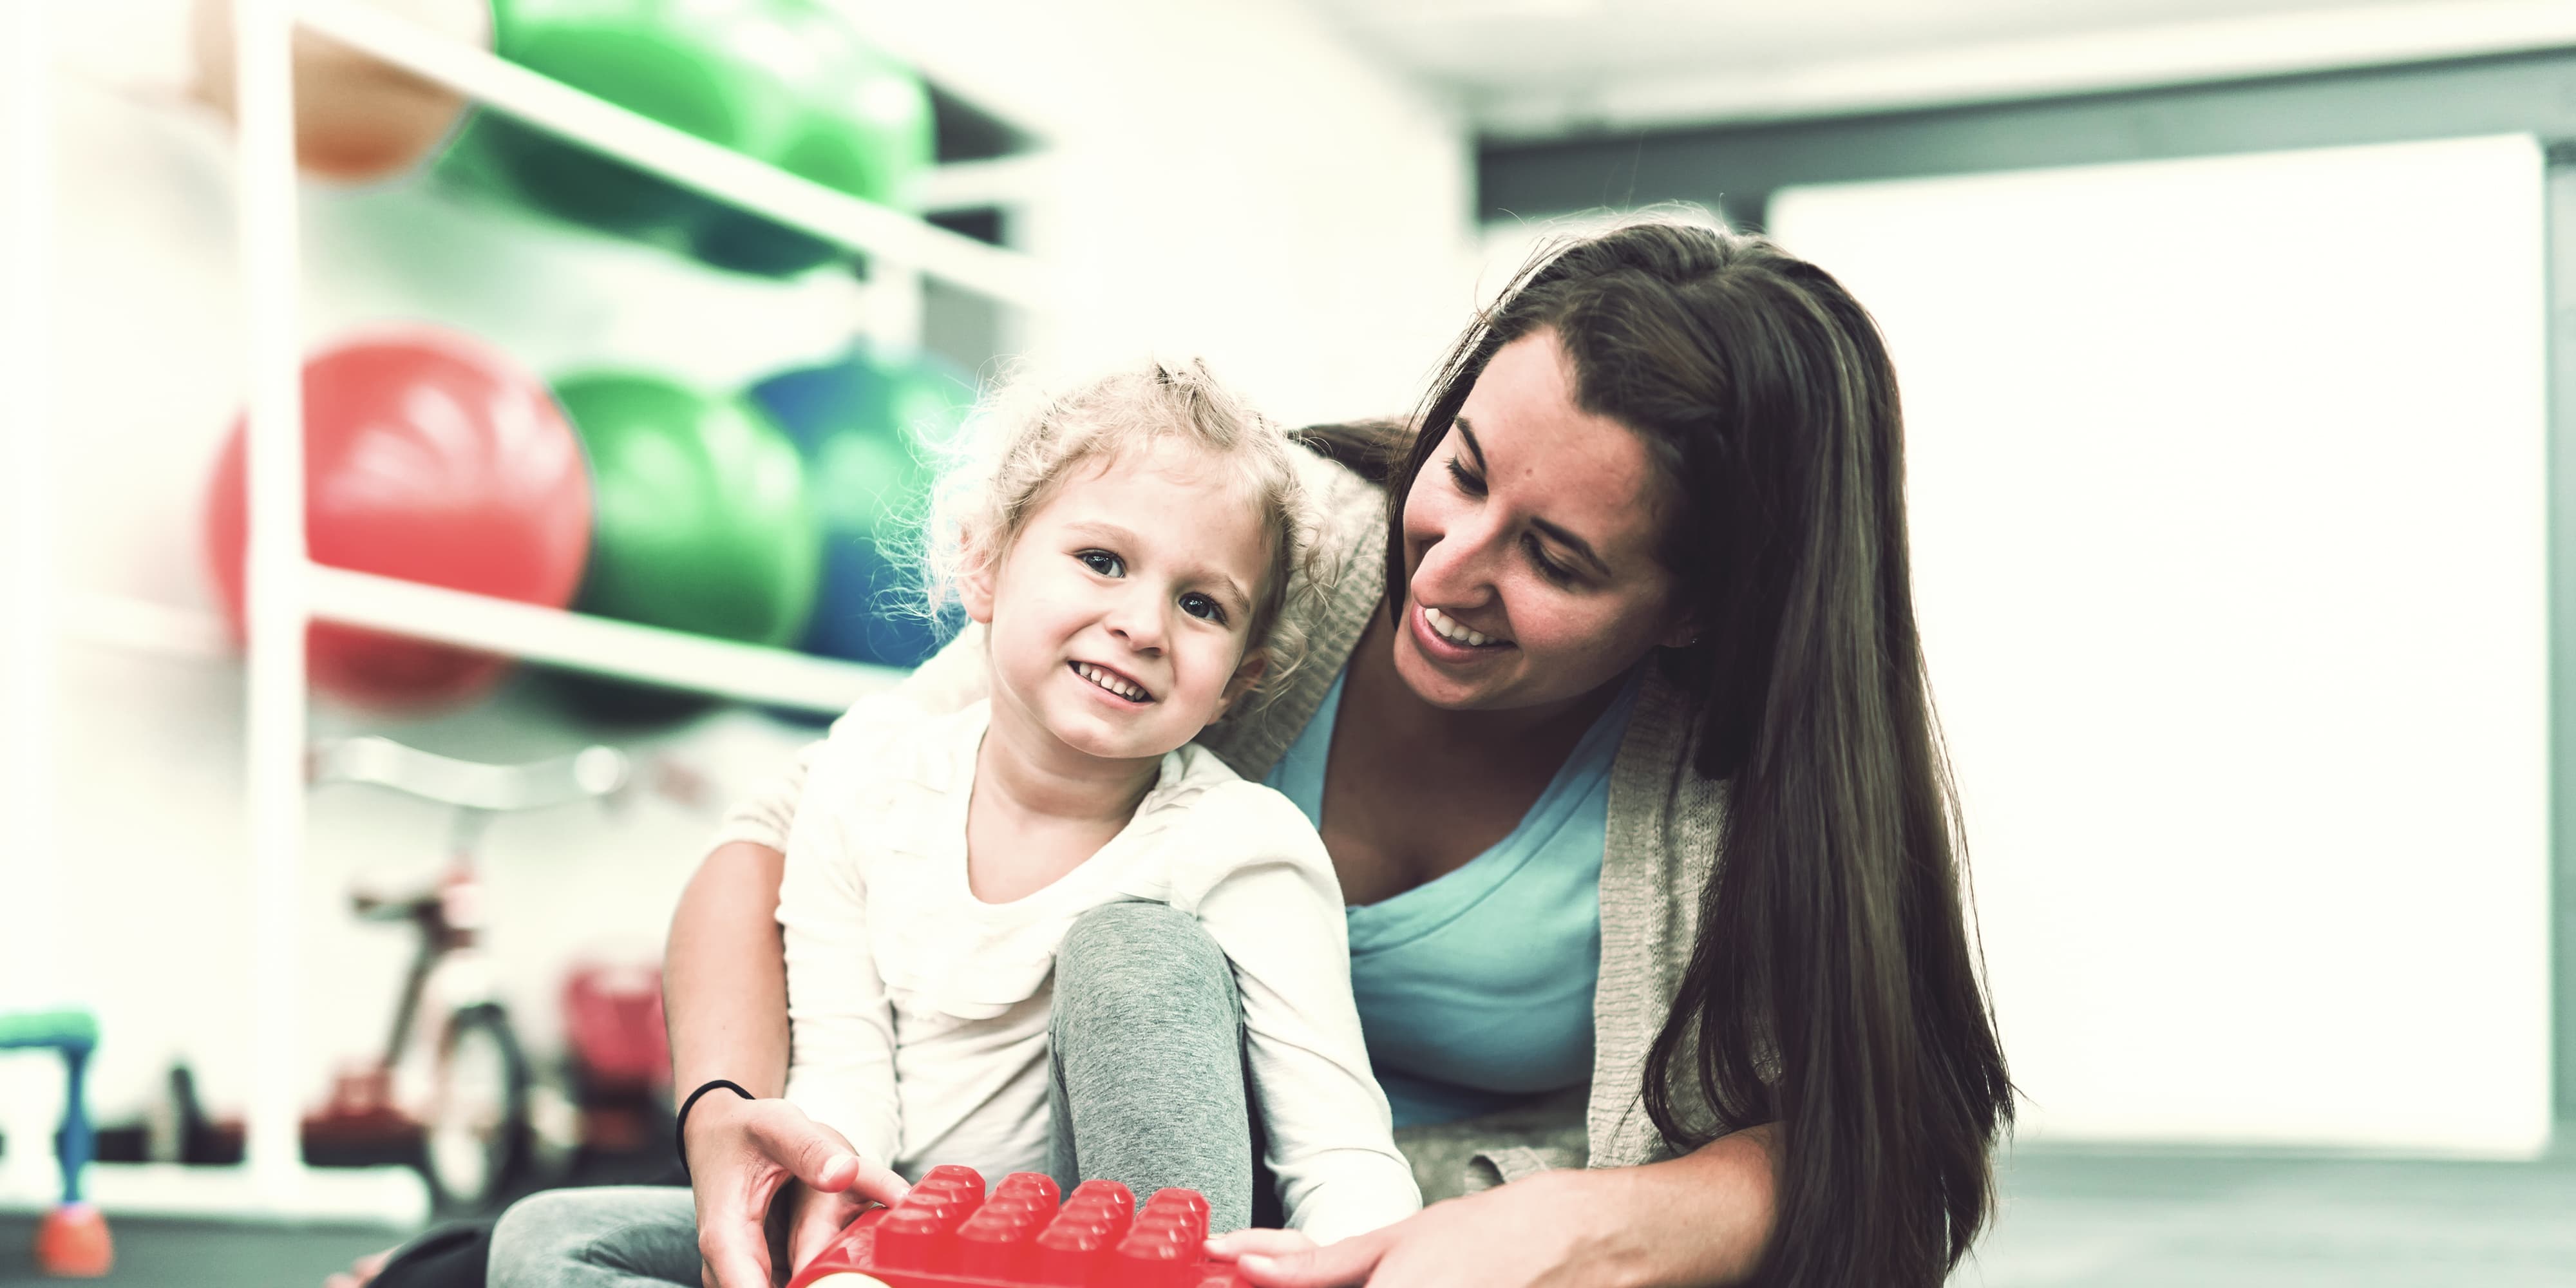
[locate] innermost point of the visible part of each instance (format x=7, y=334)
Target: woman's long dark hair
x=1833, y=989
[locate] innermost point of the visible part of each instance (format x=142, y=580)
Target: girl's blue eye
x=1102, y=562
x=1200, y=606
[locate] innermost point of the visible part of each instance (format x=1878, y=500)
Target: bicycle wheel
x=475, y=1135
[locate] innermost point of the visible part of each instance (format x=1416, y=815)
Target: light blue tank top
x=1475, y=988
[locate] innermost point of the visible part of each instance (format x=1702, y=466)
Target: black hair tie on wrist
x=680, y=1135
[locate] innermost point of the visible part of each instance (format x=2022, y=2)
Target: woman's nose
x=1458, y=567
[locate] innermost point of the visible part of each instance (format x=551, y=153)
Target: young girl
x=1125, y=549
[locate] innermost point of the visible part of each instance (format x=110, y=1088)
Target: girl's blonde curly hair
x=1025, y=442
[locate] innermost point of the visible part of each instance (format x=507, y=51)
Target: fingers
x=724, y=1263
x=1346, y=1264
x=815, y=1153
x=818, y=1219
x=874, y=1182
x=1258, y=1243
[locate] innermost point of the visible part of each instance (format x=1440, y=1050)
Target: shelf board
x=683, y=158
x=600, y=645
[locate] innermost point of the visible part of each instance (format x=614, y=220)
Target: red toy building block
x=946, y=1234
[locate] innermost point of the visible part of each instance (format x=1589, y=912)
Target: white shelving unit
x=287, y=590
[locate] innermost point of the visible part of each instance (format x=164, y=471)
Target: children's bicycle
x=452, y=1089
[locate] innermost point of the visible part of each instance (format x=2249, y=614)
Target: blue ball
x=860, y=423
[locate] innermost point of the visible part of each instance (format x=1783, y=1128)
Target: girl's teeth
x=1110, y=682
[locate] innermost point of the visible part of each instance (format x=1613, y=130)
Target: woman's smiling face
x=1529, y=545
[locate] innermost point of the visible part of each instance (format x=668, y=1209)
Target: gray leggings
x=1146, y=1044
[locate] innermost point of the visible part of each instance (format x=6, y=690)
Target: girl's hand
x=813, y=1217
x=740, y=1152
x=1523, y=1235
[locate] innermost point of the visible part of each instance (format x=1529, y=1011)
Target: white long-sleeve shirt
x=918, y=1012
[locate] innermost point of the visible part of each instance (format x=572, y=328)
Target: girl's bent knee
x=1140, y=939
x=1141, y=962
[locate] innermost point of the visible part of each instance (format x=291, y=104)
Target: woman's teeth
x=1451, y=631
x=1108, y=681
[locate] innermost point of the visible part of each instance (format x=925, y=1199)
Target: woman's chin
x=1439, y=685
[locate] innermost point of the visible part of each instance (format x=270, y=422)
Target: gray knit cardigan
x=1663, y=824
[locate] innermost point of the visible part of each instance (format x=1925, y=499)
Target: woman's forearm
x=1703, y=1218
x=724, y=981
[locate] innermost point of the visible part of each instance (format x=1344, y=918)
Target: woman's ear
x=1245, y=676
x=1683, y=633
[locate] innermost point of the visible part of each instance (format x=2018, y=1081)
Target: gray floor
x=184, y=1254
x=2068, y=1220
x=2100, y=1220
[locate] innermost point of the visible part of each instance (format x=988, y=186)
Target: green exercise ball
x=864, y=128
x=782, y=81
x=694, y=65
x=703, y=524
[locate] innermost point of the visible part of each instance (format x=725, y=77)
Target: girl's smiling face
x=1120, y=616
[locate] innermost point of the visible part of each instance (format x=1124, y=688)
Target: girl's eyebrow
x=1112, y=534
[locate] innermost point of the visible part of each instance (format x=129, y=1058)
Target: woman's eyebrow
x=1474, y=448
x=1575, y=545
x=1579, y=547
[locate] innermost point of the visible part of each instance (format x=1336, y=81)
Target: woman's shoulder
x=1340, y=490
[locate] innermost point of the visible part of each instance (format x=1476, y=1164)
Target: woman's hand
x=1529, y=1233
x=740, y=1152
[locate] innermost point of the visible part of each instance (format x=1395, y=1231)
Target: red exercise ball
x=431, y=458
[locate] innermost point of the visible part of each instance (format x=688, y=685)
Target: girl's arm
x=951, y=680
x=1276, y=910
x=724, y=998
x=725, y=995
x=841, y=1024
x=1702, y=1218
x=840, y=1067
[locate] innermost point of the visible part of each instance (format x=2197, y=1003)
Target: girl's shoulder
x=895, y=742
x=1213, y=821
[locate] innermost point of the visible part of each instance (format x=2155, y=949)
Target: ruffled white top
x=918, y=1012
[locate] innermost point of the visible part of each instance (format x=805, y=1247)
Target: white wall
x=1230, y=181
x=2227, y=487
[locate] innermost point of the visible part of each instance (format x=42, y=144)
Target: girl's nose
x=1137, y=620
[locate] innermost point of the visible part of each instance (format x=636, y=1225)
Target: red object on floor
x=613, y=1024
x=72, y=1243
x=945, y=1234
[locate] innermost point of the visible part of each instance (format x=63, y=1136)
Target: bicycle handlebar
x=381, y=762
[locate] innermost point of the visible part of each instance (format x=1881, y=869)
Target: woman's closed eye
x=1547, y=566
x=1555, y=570
x=1102, y=562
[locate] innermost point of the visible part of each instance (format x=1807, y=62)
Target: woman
x=1634, y=602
